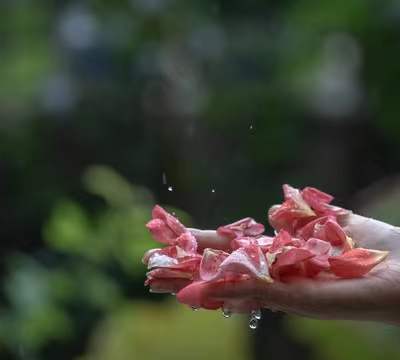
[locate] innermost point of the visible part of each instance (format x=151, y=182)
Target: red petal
x=316, y=264
x=290, y=263
x=161, y=232
x=356, y=263
x=315, y=197
x=210, y=263
x=172, y=222
x=281, y=240
x=187, y=242
x=195, y=295
x=241, y=228
x=248, y=260
x=317, y=246
x=334, y=233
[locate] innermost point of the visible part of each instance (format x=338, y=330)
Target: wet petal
x=160, y=260
x=334, y=233
x=172, y=222
x=356, y=262
x=187, y=242
x=315, y=197
x=248, y=260
x=160, y=231
x=210, y=263
x=241, y=228
x=317, y=246
x=281, y=240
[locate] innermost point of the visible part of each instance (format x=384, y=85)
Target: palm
x=373, y=297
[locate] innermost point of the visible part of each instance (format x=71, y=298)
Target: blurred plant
x=80, y=273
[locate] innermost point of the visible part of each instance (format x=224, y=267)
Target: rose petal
x=241, y=228
x=317, y=246
x=315, y=197
x=172, y=222
x=195, y=295
x=356, y=262
x=210, y=263
x=160, y=231
x=282, y=239
x=187, y=242
x=160, y=260
x=248, y=260
x=334, y=233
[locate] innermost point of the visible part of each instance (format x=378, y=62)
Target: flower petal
x=172, y=222
x=356, y=262
x=160, y=231
x=210, y=263
x=247, y=260
x=241, y=228
x=317, y=246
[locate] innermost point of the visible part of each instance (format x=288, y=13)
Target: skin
x=374, y=297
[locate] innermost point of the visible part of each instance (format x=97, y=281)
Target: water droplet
x=256, y=314
x=194, y=308
x=164, y=178
x=226, y=313
x=170, y=188
x=213, y=191
x=251, y=127
x=253, y=323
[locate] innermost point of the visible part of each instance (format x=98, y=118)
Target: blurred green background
x=205, y=106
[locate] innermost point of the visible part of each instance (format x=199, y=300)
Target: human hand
x=376, y=296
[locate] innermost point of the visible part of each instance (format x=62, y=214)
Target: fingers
x=369, y=298
x=210, y=239
x=371, y=233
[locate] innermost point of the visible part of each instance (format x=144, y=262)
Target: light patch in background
x=78, y=28
x=335, y=90
x=59, y=94
x=169, y=331
x=150, y=6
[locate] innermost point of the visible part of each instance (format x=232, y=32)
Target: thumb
x=210, y=239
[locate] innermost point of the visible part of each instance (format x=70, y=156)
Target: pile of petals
x=308, y=242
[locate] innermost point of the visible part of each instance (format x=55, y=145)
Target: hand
x=375, y=296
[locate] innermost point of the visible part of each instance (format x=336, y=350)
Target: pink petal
x=315, y=197
x=308, y=230
x=290, y=263
x=356, y=263
x=210, y=263
x=187, y=242
x=166, y=273
x=195, y=295
x=316, y=265
x=172, y=222
x=281, y=240
x=334, y=233
x=161, y=232
x=317, y=246
x=241, y=228
x=248, y=260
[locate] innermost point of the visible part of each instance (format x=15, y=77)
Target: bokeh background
x=204, y=106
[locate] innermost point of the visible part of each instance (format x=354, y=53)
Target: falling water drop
x=226, y=313
x=251, y=127
x=253, y=323
x=164, y=178
x=213, y=191
x=170, y=188
x=256, y=314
